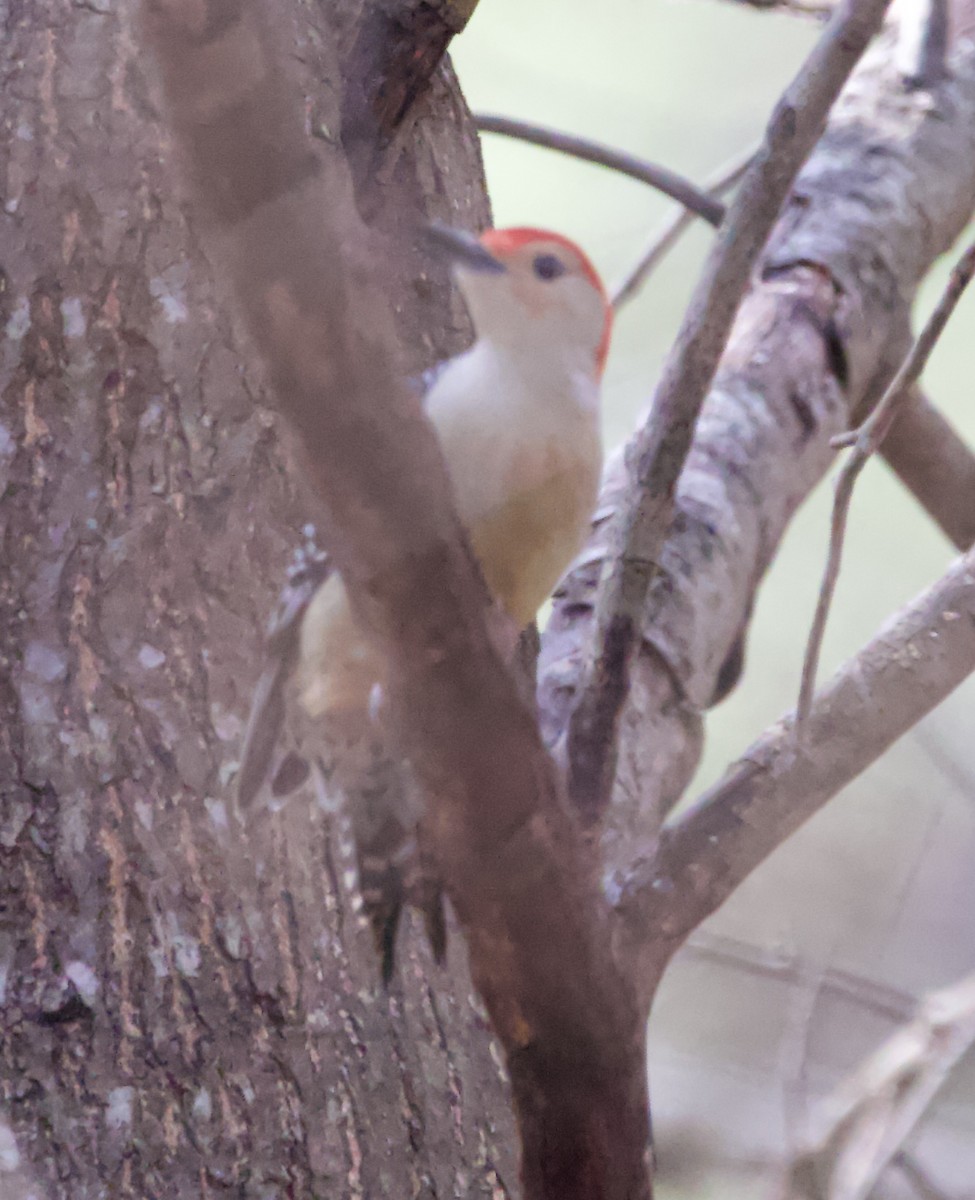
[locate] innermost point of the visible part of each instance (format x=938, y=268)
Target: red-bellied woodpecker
x=517, y=416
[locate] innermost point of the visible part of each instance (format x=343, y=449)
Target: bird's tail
x=394, y=867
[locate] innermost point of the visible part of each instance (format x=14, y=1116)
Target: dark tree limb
x=660, y=449
x=536, y=922
x=661, y=178
x=398, y=46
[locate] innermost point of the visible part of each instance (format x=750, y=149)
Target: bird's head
x=532, y=292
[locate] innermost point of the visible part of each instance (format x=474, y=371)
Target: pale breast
x=526, y=541
x=525, y=458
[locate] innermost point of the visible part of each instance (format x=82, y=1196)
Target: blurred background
x=820, y=955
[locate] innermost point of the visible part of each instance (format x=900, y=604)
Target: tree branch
x=865, y=441
x=664, y=180
x=922, y=448
x=930, y=458
x=777, y=785
x=789, y=970
x=565, y=1014
x=660, y=448
x=800, y=8
x=889, y=187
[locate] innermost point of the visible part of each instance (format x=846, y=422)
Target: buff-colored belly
x=338, y=665
x=523, y=542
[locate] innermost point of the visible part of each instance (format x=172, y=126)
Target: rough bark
x=658, y=452
x=179, y=1015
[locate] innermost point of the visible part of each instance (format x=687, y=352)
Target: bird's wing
x=307, y=573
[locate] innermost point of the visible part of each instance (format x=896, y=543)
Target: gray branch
x=888, y=189
x=660, y=449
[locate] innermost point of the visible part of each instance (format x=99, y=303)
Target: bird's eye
x=547, y=266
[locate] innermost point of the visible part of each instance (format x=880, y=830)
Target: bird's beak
x=461, y=249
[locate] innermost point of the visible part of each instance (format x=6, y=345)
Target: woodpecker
x=517, y=415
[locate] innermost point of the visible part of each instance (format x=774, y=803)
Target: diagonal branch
x=931, y=459
x=865, y=441
x=565, y=1014
x=660, y=449
x=661, y=178
x=777, y=785
x=790, y=970
x=922, y=448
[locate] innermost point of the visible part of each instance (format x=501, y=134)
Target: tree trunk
x=183, y=1014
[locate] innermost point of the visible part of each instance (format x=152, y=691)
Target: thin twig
x=792, y=1069
x=664, y=180
x=674, y=226
x=660, y=448
x=865, y=441
x=788, y=969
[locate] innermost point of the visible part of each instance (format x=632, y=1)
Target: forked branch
x=873, y=1113
x=660, y=449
